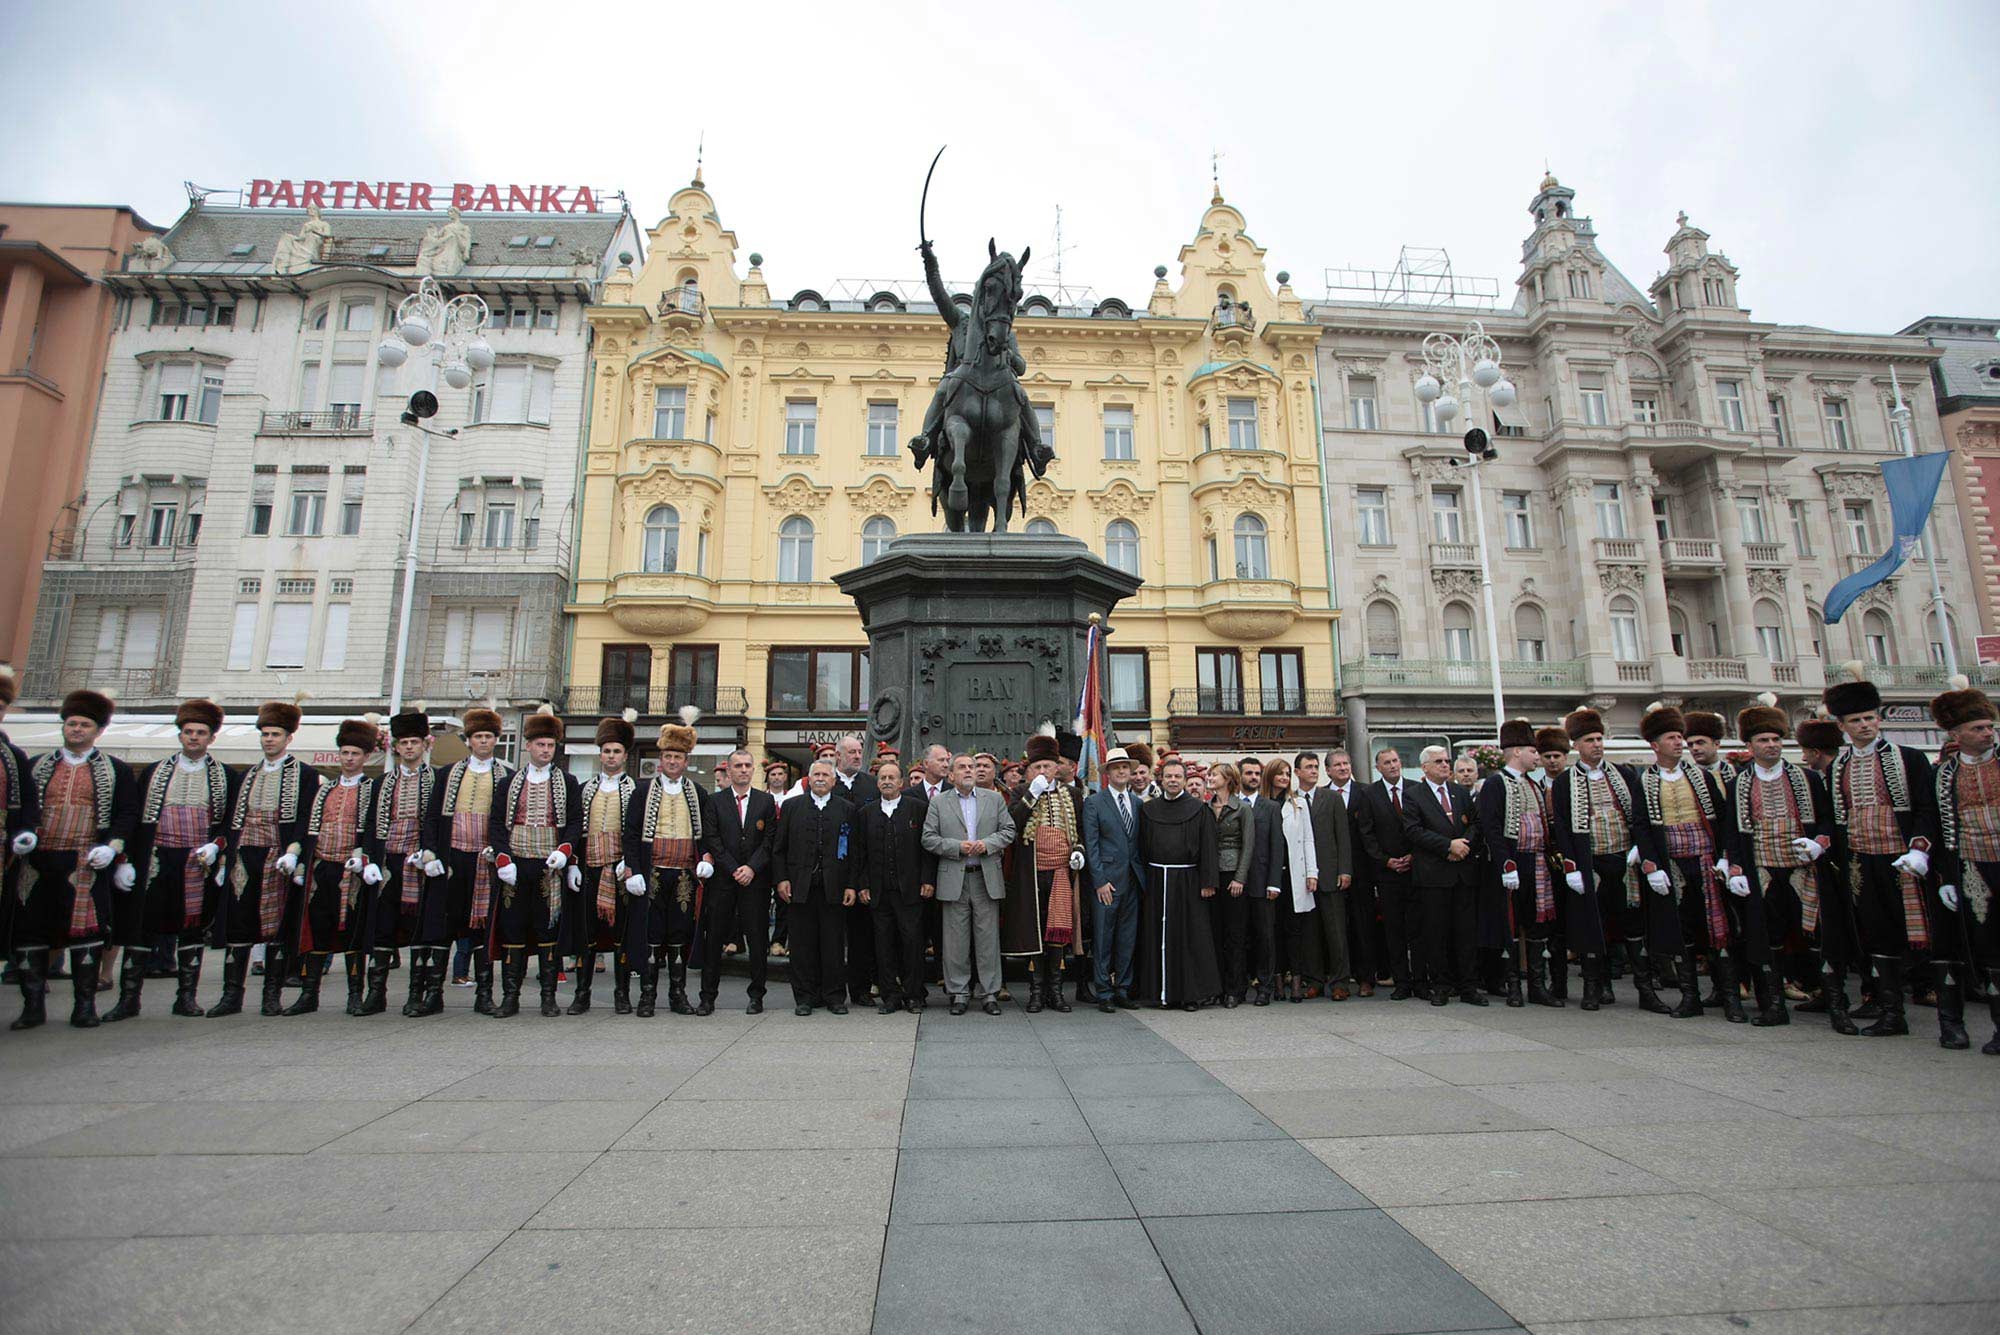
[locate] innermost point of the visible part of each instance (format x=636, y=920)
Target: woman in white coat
x=1297, y=880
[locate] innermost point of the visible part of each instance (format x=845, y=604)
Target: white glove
x=1574, y=880
x=100, y=857
x=208, y=853
x=703, y=870
x=414, y=859
x=371, y=874
x=299, y=876
x=288, y=863
x=558, y=860
x=433, y=868
x=620, y=870
x=1038, y=785
x=635, y=885
x=125, y=877
x=356, y=860
x=507, y=874
x=1809, y=849
x=1916, y=862
x=1722, y=867
x=1510, y=880
x=1076, y=860
x=1949, y=894
x=24, y=843
x=1658, y=881
x=1739, y=886
x=575, y=879
x=1632, y=856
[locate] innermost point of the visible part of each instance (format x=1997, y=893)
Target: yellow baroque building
x=743, y=448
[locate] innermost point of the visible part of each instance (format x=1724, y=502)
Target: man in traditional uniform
x=76, y=863
x=413, y=900
x=1780, y=826
x=1680, y=837
x=535, y=833
x=1177, y=857
x=1552, y=747
x=21, y=803
x=183, y=822
x=267, y=832
x=465, y=808
x=1968, y=799
x=1514, y=821
x=742, y=833
x=813, y=859
x=1704, y=745
x=672, y=865
x=594, y=887
x=1819, y=743
x=898, y=878
x=1886, y=822
x=1590, y=808
x=1039, y=921
x=335, y=863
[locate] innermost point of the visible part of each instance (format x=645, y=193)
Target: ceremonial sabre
x=923, y=236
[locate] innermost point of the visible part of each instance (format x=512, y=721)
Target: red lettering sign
x=419, y=196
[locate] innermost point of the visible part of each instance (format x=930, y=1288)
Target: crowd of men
x=1168, y=885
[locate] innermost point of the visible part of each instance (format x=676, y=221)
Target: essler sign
x=421, y=196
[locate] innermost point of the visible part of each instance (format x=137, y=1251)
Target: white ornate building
x=1678, y=487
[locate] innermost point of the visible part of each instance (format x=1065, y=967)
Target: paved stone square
x=1360, y=1167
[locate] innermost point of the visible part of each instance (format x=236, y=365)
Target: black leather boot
x=434, y=993
x=1951, y=1010
x=1771, y=1009
x=1889, y=995
x=376, y=999
x=1642, y=978
x=308, y=1000
x=482, y=981
x=1690, y=986
x=83, y=984
x=275, y=965
x=235, y=971
x=420, y=981
x=1539, y=963
x=1608, y=968
x=677, y=981
x=649, y=987
x=513, y=972
x=1052, y=969
x=131, y=978
x=1834, y=993
x=621, y=985
x=1558, y=956
x=1514, y=997
x=549, y=973
x=31, y=972
x=1593, y=982
x=1992, y=1046
x=1724, y=969
x=187, y=978
x=356, y=971
x=1035, y=988
x=586, y=971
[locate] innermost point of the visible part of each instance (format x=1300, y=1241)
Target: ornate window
x=1878, y=641
x=1384, y=631
x=1625, y=643
x=795, y=551
x=663, y=540
x=1531, y=635
x=875, y=536
x=1043, y=528
x=1121, y=545
x=1769, y=624
x=1458, y=632
x=1253, y=559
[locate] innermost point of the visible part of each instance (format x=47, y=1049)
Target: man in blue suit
x=1110, y=816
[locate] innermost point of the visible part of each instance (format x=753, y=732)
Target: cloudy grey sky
x=1844, y=156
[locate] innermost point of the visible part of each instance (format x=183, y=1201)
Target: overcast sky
x=1846, y=158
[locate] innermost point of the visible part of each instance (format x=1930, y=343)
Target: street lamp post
x=1471, y=363
x=449, y=333
x=1908, y=438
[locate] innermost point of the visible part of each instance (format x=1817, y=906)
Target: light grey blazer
x=944, y=827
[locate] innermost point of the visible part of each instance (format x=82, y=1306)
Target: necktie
x=742, y=808
x=1124, y=813
x=1444, y=800
x=1396, y=796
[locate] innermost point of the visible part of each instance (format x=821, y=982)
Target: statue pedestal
x=977, y=639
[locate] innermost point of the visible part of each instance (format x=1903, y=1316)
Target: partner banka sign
x=421, y=196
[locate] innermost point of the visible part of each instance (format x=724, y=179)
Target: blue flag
x=1913, y=484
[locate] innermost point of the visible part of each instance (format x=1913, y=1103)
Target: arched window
x=795, y=551
x=663, y=539
x=1121, y=545
x=317, y=320
x=1384, y=631
x=1458, y=632
x=1531, y=635
x=1253, y=557
x=1043, y=528
x=1937, y=638
x=875, y=535
x=1878, y=643
x=1816, y=626
x=1677, y=632
x=1770, y=630
x=1626, y=645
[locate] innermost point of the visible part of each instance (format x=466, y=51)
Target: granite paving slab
x=1007, y=1185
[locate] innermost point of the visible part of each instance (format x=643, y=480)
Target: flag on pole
x=1912, y=482
x=1089, y=723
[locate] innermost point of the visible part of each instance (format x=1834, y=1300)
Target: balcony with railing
x=130, y=687
x=1765, y=553
x=1717, y=669
x=379, y=251
x=1785, y=674
x=1635, y=674
x=1931, y=676
x=515, y=685
x=1392, y=674
x=678, y=304
x=1454, y=556
x=1691, y=554
x=1232, y=702
x=347, y=421
x=658, y=700
x=1618, y=551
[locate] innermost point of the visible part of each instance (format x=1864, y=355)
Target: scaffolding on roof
x=1423, y=276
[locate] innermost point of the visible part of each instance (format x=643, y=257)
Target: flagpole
x=1902, y=415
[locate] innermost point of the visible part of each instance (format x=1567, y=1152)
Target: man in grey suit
x=1109, y=815
x=966, y=828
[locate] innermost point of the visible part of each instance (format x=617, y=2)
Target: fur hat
x=199, y=711
x=484, y=718
x=1139, y=753
x=412, y=722
x=9, y=686
x=1963, y=703
x=1764, y=716
x=283, y=714
x=619, y=730
x=1659, y=720
x=1582, y=722
x=1857, y=695
x=365, y=733
x=542, y=723
x=1552, y=739
x=1703, y=723
x=1821, y=734
x=1043, y=745
x=680, y=736
x=1069, y=744
x=93, y=705
x=1516, y=732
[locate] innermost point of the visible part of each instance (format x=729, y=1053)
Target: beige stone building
x=1966, y=381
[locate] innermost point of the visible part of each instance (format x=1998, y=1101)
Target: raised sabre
x=922, y=237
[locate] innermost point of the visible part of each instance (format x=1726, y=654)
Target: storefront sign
x=809, y=736
x=1260, y=734
x=421, y=196
x=1987, y=647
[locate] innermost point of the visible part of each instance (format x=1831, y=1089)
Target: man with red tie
x=740, y=835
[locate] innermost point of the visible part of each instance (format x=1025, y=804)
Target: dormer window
x=1714, y=292
x=1579, y=281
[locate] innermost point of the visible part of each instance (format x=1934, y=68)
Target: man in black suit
x=851, y=781
x=814, y=830
x=1389, y=862
x=1364, y=927
x=1438, y=820
x=1333, y=840
x=742, y=836
x=897, y=878
x=1250, y=944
